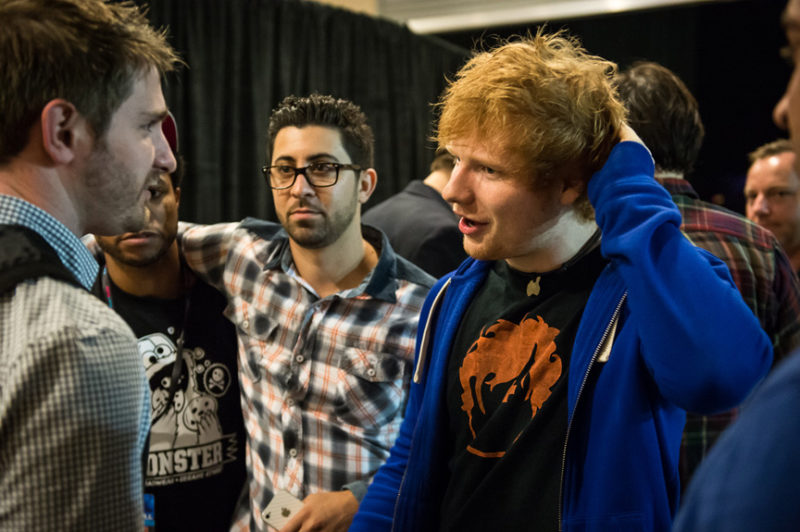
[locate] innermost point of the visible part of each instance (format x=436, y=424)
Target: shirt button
x=293, y=453
x=299, y=359
x=245, y=324
x=371, y=372
x=290, y=402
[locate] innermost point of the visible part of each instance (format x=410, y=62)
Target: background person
x=666, y=116
x=758, y=493
x=420, y=224
x=772, y=195
x=195, y=467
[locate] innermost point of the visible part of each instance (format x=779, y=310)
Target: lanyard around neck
x=177, y=367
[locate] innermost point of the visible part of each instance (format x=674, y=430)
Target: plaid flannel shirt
x=324, y=380
x=765, y=278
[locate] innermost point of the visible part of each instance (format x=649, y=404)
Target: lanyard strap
x=177, y=367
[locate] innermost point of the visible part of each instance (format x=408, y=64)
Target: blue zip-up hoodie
x=680, y=338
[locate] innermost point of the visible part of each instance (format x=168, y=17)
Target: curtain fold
x=244, y=56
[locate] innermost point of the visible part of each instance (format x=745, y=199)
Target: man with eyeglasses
x=326, y=315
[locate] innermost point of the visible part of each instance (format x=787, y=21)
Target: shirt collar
x=73, y=254
x=676, y=185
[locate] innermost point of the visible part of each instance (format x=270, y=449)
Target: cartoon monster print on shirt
x=158, y=356
x=187, y=428
x=510, y=366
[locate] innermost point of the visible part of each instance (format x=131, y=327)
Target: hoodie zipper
x=423, y=355
x=425, y=341
x=614, y=318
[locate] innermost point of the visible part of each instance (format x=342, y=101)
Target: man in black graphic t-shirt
x=194, y=468
x=554, y=364
x=507, y=383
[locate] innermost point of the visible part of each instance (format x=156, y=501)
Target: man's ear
x=573, y=185
x=177, y=191
x=571, y=191
x=367, y=181
x=64, y=131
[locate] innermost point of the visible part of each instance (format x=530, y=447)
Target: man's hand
x=328, y=511
x=627, y=133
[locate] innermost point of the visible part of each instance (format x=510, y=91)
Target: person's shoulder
x=232, y=235
x=48, y=310
x=80, y=306
x=387, y=212
x=764, y=437
x=263, y=229
x=443, y=233
x=56, y=292
x=786, y=376
x=703, y=217
x=195, y=236
x=416, y=201
x=411, y=210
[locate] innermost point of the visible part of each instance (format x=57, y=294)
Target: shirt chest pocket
x=257, y=337
x=371, y=387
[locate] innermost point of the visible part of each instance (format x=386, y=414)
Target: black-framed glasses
x=322, y=174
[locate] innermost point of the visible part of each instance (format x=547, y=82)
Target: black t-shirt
x=507, y=397
x=195, y=467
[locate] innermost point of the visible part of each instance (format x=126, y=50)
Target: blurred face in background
x=149, y=245
x=772, y=197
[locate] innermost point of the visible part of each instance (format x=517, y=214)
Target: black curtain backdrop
x=727, y=53
x=244, y=56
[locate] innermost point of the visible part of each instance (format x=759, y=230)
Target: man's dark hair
x=327, y=111
x=87, y=52
x=664, y=114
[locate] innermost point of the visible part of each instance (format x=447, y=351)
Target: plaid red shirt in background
x=766, y=280
x=324, y=380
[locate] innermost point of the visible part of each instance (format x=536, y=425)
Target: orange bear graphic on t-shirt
x=522, y=355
